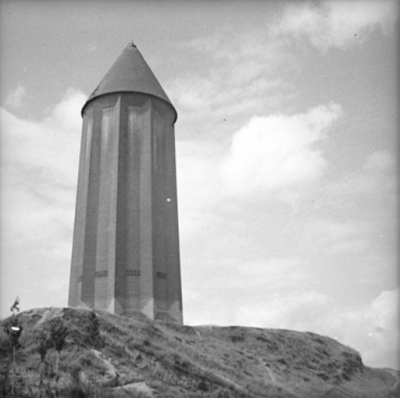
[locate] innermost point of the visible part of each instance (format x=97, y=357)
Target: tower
x=125, y=256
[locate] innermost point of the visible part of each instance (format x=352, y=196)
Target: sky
x=286, y=155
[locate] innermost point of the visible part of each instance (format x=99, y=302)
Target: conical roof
x=129, y=73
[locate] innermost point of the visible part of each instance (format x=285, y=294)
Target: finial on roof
x=131, y=44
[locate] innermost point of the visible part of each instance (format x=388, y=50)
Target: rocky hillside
x=102, y=355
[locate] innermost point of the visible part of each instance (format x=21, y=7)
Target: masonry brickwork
x=125, y=255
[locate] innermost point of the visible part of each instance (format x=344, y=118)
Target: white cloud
x=377, y=335
x=339, y=24
x=297, y=310
x=226, y=95
x=373, y=184
x=194, y=93
x=380, y=161
x=241, y=81
x=43, y=148
x=198, y=184
x=39, y=175
x=16, y=97
x=383, y=313
x=275, y=270
x=337, y=237
x=372, y=330
x=278, y=151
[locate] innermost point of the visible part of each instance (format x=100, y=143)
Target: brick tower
x=125, y=256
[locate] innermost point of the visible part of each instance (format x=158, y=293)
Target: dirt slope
x=142, y=358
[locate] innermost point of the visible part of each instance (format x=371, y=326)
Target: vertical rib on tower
x=125, y=256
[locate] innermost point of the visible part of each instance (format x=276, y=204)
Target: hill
x=114, y=356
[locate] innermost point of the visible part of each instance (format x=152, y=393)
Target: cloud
x=372, y=329
x=39, y=175
x=44, y=147
x=194, y=92
x=373, y=185
x=337, y=237
x=297, y=310
x=337, y=24
x=378, y=333
x=242, y=79
x=380, y=161
x=15, y=98
x=278, y=151
x=353, y=211
x=198, y=184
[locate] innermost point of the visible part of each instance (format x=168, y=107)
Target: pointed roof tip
x=130, y=73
